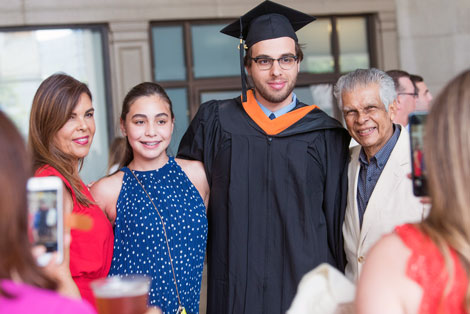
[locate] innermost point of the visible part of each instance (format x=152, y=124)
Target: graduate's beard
x=273, y=97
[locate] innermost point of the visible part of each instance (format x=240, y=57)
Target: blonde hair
x=447, y=157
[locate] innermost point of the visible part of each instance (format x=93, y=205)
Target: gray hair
x=362, y=78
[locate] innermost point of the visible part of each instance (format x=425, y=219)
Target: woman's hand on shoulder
x=197, y=175
x=105, y=192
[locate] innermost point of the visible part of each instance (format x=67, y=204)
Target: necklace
x=181, y=309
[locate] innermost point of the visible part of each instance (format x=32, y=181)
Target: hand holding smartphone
x=417, y=122
x=45, y=216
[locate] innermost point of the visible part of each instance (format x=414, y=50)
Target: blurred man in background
x=424, y=95
x=406, y=95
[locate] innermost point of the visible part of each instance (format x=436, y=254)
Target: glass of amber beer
x=121, y=295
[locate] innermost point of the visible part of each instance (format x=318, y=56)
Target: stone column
x=129, y=48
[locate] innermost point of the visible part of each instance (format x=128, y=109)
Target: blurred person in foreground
x=61, y=131
x=424, y=268
x=24, y=286
x=380, y=196
x=423, y=101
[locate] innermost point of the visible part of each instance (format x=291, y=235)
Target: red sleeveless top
x=91, y=251
x=426, y=266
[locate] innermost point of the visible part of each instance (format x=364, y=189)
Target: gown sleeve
x=200, y=142
x=334, y=159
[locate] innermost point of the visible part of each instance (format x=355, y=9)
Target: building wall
x=426, y=37
x=128, y=20
x=434, y=39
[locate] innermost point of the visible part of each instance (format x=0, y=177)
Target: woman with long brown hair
x=424, y=268
x=24, y=287
x=61, y=131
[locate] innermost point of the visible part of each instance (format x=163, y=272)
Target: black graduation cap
x=268, y=20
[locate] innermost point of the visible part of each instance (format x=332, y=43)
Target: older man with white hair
x=380, y=195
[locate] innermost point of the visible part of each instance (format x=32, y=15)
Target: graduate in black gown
x=277, y=170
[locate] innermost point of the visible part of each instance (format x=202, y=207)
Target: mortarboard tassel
x=241, y=47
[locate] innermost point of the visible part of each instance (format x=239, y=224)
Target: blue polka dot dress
x=139, y=240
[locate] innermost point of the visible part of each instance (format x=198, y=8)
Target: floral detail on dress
x=426, y=266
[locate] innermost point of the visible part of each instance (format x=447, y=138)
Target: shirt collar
x=281, y=111
x=383, y=154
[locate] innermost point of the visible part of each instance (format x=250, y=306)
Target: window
x=196, y=62
x=28, y=56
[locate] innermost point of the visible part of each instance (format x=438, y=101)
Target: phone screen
x=417, y=122
x=43, y=218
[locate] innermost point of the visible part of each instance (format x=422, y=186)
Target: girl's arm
x=105, y=192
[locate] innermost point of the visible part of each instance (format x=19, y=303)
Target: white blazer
x=392, y=203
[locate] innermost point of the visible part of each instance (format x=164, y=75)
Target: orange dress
x=91, y=251
x=426, y=266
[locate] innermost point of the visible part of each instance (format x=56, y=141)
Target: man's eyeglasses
x=409, y=94
x=266, y=63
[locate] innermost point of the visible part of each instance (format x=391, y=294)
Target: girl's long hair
x=447, y=157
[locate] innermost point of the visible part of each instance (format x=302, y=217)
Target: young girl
x=157, y=204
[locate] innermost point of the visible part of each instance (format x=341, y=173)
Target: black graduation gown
x=276, y=206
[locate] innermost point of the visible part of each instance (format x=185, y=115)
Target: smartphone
x=417, y=122
x=45, y=216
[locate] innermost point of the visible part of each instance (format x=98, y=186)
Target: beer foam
x=115, y=286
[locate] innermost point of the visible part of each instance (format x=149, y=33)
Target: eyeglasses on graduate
x=266, y=63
